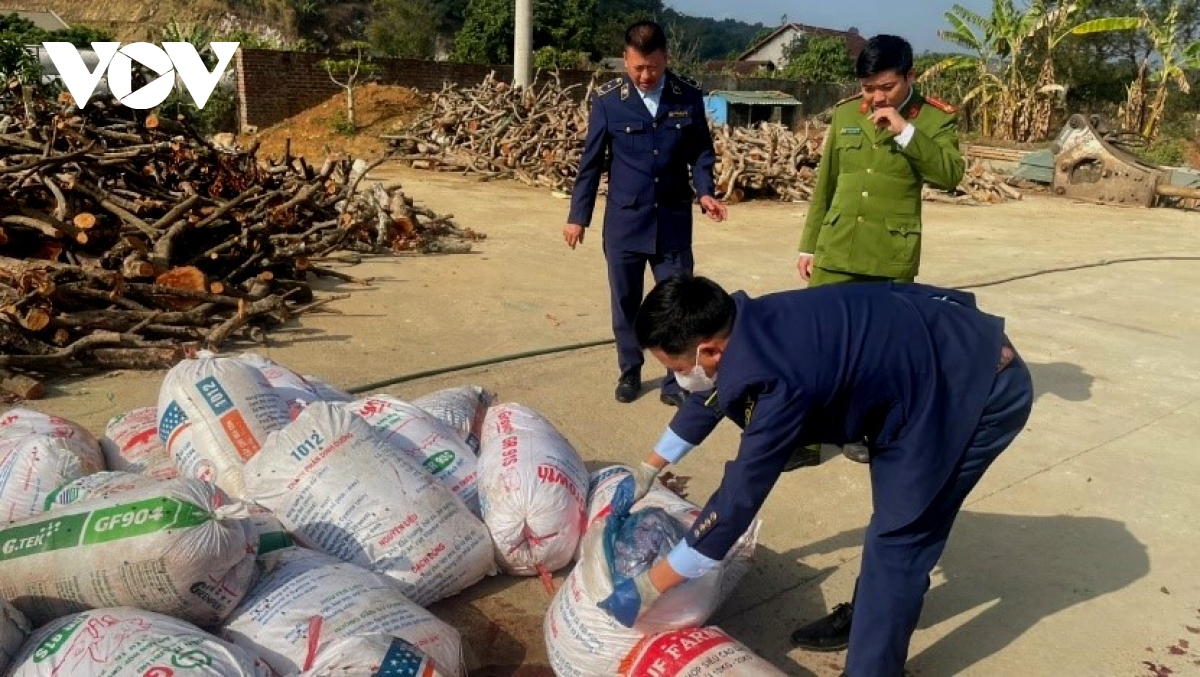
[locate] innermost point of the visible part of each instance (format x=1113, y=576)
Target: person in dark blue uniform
x=930, y=380
x=651, y=125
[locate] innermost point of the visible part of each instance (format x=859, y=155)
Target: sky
x=917, y=20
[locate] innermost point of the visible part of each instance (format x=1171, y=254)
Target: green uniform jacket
x=865, y=216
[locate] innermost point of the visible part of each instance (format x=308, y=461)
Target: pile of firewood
x=766, y=161
x=126, y=238
x=532, y=134
x=536, y=136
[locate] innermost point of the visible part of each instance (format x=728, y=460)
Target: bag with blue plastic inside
x=623, y=539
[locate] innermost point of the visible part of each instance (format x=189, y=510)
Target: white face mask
x=695, y=381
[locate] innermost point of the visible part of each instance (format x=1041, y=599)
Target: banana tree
x=1170, y=69
x=1012, y=62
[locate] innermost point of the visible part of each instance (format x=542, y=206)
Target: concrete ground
x=1075, y=555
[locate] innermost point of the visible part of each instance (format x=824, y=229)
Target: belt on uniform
x=1006, y=355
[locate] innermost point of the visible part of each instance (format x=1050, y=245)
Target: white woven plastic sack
x=38, y=454
x=339, y=488
x=376, y=655
x=461, y=408
x=131, y=444
x=309, y=601
x=427, y=441
x=214, y=413
x=533, y=487
x=582, y=639
x=696, y=652
x=20, y=423
x=128, y=642
x=14, y=629
x=296, y=390
x=173, y=548
x=96, y=486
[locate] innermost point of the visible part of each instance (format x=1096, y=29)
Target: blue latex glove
x=630, y=599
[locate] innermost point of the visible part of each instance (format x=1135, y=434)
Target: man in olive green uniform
x=882, y=145
x=864, y=223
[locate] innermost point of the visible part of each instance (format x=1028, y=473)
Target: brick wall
x=274, y=85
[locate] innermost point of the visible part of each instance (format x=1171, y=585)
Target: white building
x=773, y=48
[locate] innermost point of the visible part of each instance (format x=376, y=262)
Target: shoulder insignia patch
x=940, y=105
x=849, y=99
x=610, y=86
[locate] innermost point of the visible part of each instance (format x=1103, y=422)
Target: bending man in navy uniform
x=932, y=381
x=651, y=125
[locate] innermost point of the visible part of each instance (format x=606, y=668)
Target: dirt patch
x=378, y=109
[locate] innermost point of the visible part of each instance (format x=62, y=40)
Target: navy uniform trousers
x=894, y=576
x=626, y=284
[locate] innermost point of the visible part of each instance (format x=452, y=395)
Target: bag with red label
x=533, y=487
x=131, y=444
x=582, y=639
x=460, y=408
x=695, y=652
x=38, y=454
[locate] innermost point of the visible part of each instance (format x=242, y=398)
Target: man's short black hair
x=646, y=37
x=681, y=311
x=884, y=53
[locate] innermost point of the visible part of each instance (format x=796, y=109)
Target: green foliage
x=552, y=58
x=403, y=28
x=218, y=115
x=83, y=36
x=250, y=40
x=818, y=58
x=16, y=61
x=487, y=32
x=340, y=124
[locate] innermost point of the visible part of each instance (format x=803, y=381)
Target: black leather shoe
x=672, y=399
x=804, y=457
x=831, y=633
x=629, y=386
x=857, y=453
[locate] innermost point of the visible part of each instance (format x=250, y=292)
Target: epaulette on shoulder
x=852, y=97
x=610, y=86
x=940, y=105
x=688, y=81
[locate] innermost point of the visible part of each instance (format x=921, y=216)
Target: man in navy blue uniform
x=931, y=381
x=650, y=124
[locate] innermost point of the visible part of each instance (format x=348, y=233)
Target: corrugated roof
x=758, y=98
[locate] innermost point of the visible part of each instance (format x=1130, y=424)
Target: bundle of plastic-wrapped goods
x=297, y=391
x=338, y=487
x=621, y=541
x=380, y=655
x=38, y=454
x=308, y=604
x=695, y=652
x=131, y=444
x=116, y=642
x=214, y=413
x=177, y=547
x=461, y=408
x=427, y=440
x=534, y=490
x=14, y=629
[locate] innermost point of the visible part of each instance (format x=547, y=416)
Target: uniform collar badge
x=624, y=92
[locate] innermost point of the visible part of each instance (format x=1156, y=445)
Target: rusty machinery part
x=1088, y=168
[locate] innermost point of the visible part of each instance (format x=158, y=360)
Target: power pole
x=523, y=44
